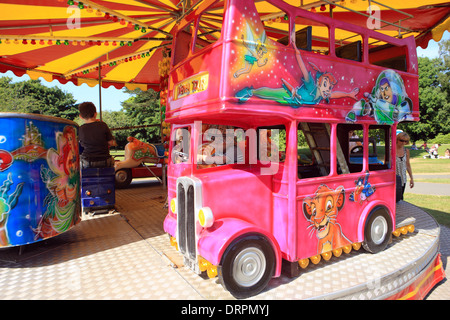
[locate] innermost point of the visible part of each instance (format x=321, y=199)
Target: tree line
x=31, y=96
x=434, y=98
x=142, y=108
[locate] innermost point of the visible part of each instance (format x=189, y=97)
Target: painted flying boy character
x=387, y=103
x=312, y=90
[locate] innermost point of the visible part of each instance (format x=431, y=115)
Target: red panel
x=424, y=283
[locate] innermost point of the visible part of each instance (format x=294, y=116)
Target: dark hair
x=87, y=110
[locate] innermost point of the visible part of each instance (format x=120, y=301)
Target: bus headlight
x=205, y=217
x=173, y=205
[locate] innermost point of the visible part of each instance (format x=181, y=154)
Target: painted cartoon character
x=69, y=157
x=62, y=180
x=32, y=147
x=137, y=152
x=387, y=103
x=7, y=203
x=6, y=160
x=63, y=162
x=363, y=189
x=321, y=211
x=257, y=50
x=311, y=91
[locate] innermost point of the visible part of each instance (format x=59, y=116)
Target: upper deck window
x=183, y=44
x=309, y=36
x=387, y=55
x=275, y=21
x=348, y=45
x=206, y=29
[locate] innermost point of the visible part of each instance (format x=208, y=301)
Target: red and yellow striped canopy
x=122, y=41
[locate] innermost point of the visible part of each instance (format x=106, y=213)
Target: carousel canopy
x=122, y=41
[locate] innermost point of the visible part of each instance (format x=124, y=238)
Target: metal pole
x=100, y=88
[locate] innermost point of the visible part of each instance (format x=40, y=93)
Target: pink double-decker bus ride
x=282, y=143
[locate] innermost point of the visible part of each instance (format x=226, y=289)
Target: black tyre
x=247, y=266
x=378, y=231
x=123, y=178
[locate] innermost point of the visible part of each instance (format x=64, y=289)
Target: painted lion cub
x=321, y=211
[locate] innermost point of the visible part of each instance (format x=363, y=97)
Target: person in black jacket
x=95, y=139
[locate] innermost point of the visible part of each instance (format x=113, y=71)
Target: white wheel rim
x=379, y=230
x=121, y=176
x=249, y=267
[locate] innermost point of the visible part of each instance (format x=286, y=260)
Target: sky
x=432, y=51
x=112, y=97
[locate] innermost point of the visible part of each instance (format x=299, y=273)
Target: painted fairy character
x=387, y=103
x=311, y=91
x=256, y=55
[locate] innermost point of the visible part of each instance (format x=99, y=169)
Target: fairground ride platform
x=127, y=255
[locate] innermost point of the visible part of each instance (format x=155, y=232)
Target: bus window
x=208, y=32
x=310, y=36
x=348, y=45
x=275, y=21
x=272, y=144
x=182, y=45
x=379, y=140
x=220, y=145
x=387, y=55
x=313, y=150
x=320, y=42
x=181, y=141
x=350, y=139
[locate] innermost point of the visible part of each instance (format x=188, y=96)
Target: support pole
x=100, y=88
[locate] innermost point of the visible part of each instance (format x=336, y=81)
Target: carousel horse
x=137, y=152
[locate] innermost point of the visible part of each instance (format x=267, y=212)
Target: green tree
x=444, y=76
x=117, y=119
x=434, y=93
x=143, y=109
x=32, y=97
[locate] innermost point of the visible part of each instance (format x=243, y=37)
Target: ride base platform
x=127, y=255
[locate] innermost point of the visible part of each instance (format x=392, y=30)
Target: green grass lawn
x=117, y=154
x=437, y=206
x=427, y=165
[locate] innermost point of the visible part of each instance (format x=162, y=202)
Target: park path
x=440, y=189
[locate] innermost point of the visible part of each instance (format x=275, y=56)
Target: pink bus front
x=282, y=143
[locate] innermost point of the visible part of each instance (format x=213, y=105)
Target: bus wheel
x=378, y=230
x=123, y=178
x=247, y=266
